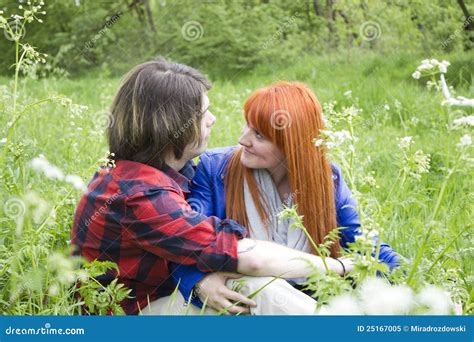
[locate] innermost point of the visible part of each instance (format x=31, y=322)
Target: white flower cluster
x=464, y=121
x=465, y=141
x=405, y=143
x=51, y=171
x=377, y=297
x=31, y=12
x=333, y=139
x=413, y=164
x=432, y=65
x=63, y=266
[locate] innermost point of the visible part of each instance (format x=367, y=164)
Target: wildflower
x=466, y=120
x=63, y=266
x=386, y=106
x=318, y=142
x=343, y=305
x=436, y=301
x=417, y=164
x=348, y=93
x=53, y=290
x=41, y=164
x=76, y=181
x=431, y=65
x=465, y=141
x=405, y=143
x=443, y=66
x=378, y=297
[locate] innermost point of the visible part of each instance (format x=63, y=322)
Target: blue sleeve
x=200, y=199
x=187, y=277
x=347, y=216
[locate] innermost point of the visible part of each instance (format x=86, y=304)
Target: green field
x=416, y=192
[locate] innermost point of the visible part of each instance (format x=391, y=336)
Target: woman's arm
x=264, y=258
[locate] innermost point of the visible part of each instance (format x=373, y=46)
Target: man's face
x=208, y=120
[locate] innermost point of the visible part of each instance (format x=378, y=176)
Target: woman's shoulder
x=336, y=172
x=214, y=160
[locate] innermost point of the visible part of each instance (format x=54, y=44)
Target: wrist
x=343, y=267
x=336, y=265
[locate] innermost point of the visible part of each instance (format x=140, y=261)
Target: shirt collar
x=182, y=177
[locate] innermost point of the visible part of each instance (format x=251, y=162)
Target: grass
x=72, y=138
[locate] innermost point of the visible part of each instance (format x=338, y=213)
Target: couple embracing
x=193, y=239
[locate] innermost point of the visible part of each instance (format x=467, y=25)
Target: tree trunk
x=149, y=15
x=468, y=25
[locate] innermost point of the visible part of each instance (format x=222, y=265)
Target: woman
x=276, y=165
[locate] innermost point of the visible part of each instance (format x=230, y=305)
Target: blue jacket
x=208, y=197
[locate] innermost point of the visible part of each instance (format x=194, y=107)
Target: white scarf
x=276, y=231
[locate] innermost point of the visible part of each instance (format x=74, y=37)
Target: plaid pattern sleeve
x=162, y=223
x=137, y=217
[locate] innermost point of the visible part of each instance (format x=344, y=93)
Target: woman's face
x=258, y=151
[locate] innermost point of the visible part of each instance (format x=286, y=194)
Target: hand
x=348, y=264
x=213, y=288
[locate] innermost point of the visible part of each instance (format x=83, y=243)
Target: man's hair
x=157, y=110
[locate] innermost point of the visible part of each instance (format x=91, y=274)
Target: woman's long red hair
x=290, y=115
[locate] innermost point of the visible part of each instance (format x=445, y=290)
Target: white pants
x=277, y=297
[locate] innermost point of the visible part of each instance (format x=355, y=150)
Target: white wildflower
x=341, y=136
x=76, y=181
x=429, y=64
x=41, y=164
x=466, y=120
x=379, y=298
x=348, y=93
x=63, y=266
x=373, y=233
x=386, y=106
x=343, y=305
x=443, y=66
x=405, y=143
x=436, y=300
x=53, y=290
x=318, y=142
x=465, y=141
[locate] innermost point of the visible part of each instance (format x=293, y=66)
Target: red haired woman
x=276, y=164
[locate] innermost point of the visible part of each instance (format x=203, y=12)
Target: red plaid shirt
x=136, y=216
